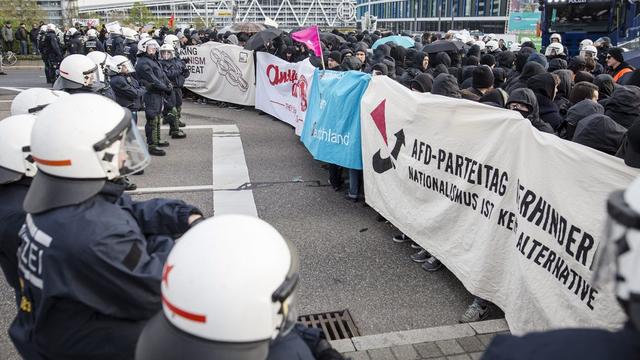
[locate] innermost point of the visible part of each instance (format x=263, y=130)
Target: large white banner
x=282, y=88
x=514, y=213
x=222, y=72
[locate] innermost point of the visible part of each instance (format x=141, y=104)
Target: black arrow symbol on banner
x=381, y=165
x=399, y=144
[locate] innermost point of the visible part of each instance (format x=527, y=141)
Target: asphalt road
x=348, y=260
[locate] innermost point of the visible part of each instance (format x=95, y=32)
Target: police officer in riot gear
x=91, y=258
x=183, y=74
x=173, y=72
x=617, y=269
x=52, y=53
x=92, y=43
x=75, y=42
x=217, y=304
x=152, y=77
x=114, y=45
x=16, y=171
x=105, y=64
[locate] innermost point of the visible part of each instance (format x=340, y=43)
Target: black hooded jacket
x=578, y=112
x=528, y=98
x=422, y=82
x=624, y=105
x=600, y=132
x=564, y=89
x=605, y=85
x=446, y=85
x=543, y=85
x=528, y=71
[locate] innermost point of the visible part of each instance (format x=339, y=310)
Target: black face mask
x=524, y=113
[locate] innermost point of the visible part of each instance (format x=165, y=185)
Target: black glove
x=169, y=88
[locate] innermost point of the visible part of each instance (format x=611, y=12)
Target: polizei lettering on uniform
x=468, y=169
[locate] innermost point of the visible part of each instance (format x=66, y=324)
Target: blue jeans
x=34, y=48
x=354, y=183
x=24, y=48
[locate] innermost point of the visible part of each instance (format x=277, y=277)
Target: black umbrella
x=261, y=38
x=442, y=45
x=332, y=38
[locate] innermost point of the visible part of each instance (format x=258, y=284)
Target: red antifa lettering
x=299, y=90
x=276, y=77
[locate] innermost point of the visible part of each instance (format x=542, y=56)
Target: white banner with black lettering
x=515, y=214
x=222, y=72
x=282, y=88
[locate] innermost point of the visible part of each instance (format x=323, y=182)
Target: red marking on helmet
x=52, y=162
x=64, y=72
x=183, y=313
x=165, y=274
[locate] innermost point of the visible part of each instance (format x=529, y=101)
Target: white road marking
x=230, y=172
x=6, y=101
x=188, y=127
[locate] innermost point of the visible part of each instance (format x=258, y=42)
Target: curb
x=410, y=337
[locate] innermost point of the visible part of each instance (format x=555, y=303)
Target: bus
x=576, y=20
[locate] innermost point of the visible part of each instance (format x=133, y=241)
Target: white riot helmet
x=123, y=62
x=228, y=289
x=514, y=47
x=144, y=35
x=144, y=44
x=77, y=71
x=130, y=34
x=92, y=33
x=72, y=31
x=488, y=37
x=31, y=101
x=555, y=36
x=554, y=49
x=156, y=33
x=15, y=152
x=51, y=27
x=43, y=28
x=167, y=52
x=589, y=51
x=524, y=40
x=618, y=257
x=492, y=46
x=481, y=44
x=104, y=62
x=585, y=42
x=172, y=40
x=79, y=143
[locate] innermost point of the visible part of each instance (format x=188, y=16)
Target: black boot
x=153, y=150
x=157, y=139
x=174, y=131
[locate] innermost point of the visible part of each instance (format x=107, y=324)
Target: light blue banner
x=331, y=130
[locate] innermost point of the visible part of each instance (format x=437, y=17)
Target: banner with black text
x=222, y=72
x=515, y=214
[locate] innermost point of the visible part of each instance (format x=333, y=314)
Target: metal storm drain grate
x=336, y=325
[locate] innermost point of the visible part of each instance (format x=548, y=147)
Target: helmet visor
x=127, y=65
x=123, y=150
x=91, y=76
x=133, y=155
x=166, y=54
x=285, y=294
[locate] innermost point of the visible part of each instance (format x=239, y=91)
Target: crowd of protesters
x=591, y=98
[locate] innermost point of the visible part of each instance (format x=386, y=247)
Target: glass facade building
x=489, y=16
